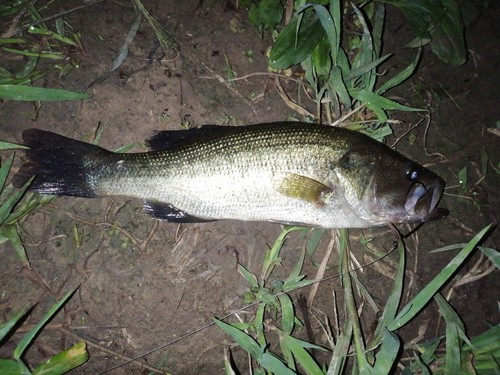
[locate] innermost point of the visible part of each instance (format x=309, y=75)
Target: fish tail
x=60, y=165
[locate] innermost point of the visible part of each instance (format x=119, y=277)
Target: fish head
x=385, y=187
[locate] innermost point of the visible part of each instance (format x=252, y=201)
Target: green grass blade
x=274, y=365
x=361, y=359
x=394, y=300
x=401, y=76
x=371, y=99
x=28, y=337
x=4, y=172
x=287, y=314
x=249, y=277
x=454, y=326
x=448, y=41
x=9, y=204
x=388, y=353
x=492, y=254
x=11, y=367
x=271, y=258
x=422, y=298
x=266, y=360
x=338, y=86
x=30, y=93
x=486, y=342
x=123, y=53
x=366, y=68
x=10, y=233
x=241, y=338
x=11, y=146
x=302, y=356
x=64, y=361
x=366, y=54
x=329, y=26
x=6, y=328
x=339, y=356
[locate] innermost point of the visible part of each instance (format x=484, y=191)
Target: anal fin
x=167, y=212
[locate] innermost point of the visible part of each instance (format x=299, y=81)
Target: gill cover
x=389, y=188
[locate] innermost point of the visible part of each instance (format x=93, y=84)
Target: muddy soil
x=145, y=284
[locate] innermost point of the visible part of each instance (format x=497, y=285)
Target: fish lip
x=422, y=201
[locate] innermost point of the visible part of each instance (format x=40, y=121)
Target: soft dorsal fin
x=163, y=140
x=302, y=187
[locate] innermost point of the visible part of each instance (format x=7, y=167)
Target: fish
x=287, y=172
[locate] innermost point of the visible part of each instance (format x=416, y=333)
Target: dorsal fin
x=163, y=140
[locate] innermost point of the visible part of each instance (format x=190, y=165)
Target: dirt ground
x=145, y=284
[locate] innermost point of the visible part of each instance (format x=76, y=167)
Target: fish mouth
x=421, y=201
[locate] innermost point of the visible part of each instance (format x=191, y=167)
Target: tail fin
x=61, y=166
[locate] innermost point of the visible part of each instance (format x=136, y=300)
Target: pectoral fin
x=302, y=187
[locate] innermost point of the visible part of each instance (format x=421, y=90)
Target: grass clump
x=60, y=363
x=30, y=42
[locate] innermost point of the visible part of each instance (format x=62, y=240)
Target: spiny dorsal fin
x=163, y=140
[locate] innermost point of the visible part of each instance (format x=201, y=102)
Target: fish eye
x=413, y=173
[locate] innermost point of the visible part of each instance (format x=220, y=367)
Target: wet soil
x=145, y=284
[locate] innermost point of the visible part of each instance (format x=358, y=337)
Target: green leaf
x=401, y=76
x=30, y=93
x=11, y=146
x=266, y=360
x=339, y=356
x=423, y=297
x=297, y=347
x=371, y=99
x=392, y=304
x=454, y=326
x=10, y=233
x=29, y=337
x=266, y=14
x=296, y=41
x=11, y=367
x=241, y=338
x=9, y=204
x=64, y=361
x=367, y=68
x=4, y=172
x=448, y=39
x=249, y=277
x=287, y=313
x=492, y=254
x=6, y=328
x=387, y=354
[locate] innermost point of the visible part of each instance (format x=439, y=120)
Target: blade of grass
x=339, y=356
x=10, y=233
x=8, y=205
x=298, y=348
x=266, y=360
x=453, y=342
x=30, y=93
x=4, y=172
x=394, y=300
x=28, y=337
x=361, y=359
x=422, y=298
x=388, y=353
x=64, y=361
x=6, y=328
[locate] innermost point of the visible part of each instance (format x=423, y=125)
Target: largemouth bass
x=292, y=173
